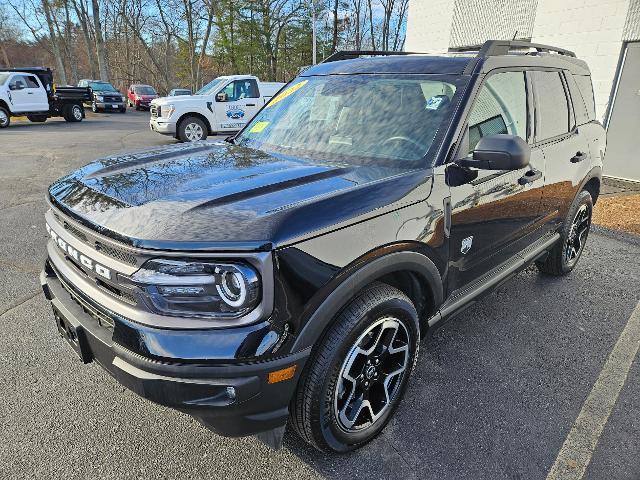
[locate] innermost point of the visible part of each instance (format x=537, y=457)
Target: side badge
x=466, y=245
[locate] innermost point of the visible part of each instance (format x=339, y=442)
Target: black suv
x=288, y=273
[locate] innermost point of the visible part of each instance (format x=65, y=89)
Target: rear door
x=38, y=99
x=495, y=215
x=565, y=146
x=243, y=102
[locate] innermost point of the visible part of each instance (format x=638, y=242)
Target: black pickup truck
x=31, y=92
x=286, y=276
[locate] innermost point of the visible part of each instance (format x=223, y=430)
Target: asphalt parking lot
x=495, y=393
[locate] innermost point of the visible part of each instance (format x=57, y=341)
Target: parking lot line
x=575, y=454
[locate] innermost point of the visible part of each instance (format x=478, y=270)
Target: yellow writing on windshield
x=258, y=127
x=285, y=93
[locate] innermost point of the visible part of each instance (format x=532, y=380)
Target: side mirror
x=17, y=86
x=499, y=152
x=221, y=97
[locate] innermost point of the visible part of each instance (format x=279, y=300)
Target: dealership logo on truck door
x=82, y=259
x=234, y=112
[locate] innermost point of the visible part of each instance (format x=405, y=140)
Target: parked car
x=177, y=92
x=140, y=96
x=288, y=274
x=30, y=92
x=104, y=96
x=225, y=104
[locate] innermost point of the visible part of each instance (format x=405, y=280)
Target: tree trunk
x=61, y=74
x=81, y=13
x=334, y=39
x=100, y=47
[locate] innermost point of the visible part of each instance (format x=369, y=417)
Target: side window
x=552, y=110
x=239, y=89
x=500, y=107
x=18, y=81
x=31, y=81
x=586, y=90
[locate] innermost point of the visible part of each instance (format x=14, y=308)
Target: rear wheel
x=5, y=118
x=565, y=255
x=37, y=118
x=73, y=113
x=357, y=376
x=192, y=129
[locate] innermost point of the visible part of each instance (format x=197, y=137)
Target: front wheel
x=5, y=118
x=358, y=374
x=565, y=254
x=192, y=129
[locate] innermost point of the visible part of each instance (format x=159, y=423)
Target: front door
x=495, y=215
x=241, y=103
x=18, y=96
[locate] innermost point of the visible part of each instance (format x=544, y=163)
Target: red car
x=140, y=96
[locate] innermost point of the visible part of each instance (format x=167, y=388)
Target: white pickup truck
x=30, y=92
x=225, y=104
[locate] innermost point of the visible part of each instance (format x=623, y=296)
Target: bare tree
x=100, y=48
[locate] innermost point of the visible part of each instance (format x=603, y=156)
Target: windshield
x=211, y=87
x=102, y=87
x=373, y=119
x=3, y=78
x=182, y=92
x=144, y=90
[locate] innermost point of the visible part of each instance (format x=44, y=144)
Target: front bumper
x=161, y=125
x=110, y=105
x=232, y=399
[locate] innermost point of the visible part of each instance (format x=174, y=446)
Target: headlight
x=199, y=289
x=100, y=98
x=168, y=110
x=123, y=98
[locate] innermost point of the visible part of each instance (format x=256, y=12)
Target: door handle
x=250, y=105
x=530, y=177
x=578, y=157
x=29, y=93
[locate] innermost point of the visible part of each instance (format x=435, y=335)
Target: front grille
x=118, y=254
x=103, y=319
x=155, y=110
x=75, y=232
x=113, y=99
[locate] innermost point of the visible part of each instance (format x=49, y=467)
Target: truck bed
x=71, y=93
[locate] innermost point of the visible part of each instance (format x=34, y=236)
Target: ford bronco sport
x=288, y=274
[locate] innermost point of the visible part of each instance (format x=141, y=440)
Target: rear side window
x=586, y=90
x=501, y=107
x=552, y=110
x=31, y=81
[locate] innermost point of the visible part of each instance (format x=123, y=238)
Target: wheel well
x=4, y=105
x=593, y=187
x=414, y=286
x=198, y=115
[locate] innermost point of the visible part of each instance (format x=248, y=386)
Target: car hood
x=181, y=99
x=220, y=196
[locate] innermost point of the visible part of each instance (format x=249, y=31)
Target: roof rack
x=492, y=48
x=351, y=54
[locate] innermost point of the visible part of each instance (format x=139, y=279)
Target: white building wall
x=593, y=30
x=429, y=26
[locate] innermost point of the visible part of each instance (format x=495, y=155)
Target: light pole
x=313, y=28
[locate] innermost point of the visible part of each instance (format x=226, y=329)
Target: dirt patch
x=618, y=212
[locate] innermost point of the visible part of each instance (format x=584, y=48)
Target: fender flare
x=393, y=262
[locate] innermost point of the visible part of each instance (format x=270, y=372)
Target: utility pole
x=313, y=28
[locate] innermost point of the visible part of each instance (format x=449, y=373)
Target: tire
x=37, y=118
x=94, y=107
x=5, y=117
x=324, y=410
x=192, y=129
x=565, y=254
x=73, y=113
x=123, y=110
x=137, y=108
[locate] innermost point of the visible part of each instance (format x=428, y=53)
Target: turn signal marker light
x=282, y=374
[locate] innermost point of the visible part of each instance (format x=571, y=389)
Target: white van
x=225, y=104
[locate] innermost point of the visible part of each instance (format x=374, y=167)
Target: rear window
x=586, y=90
x=552, y=112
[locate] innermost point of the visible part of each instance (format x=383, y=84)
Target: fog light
x=231, y=393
